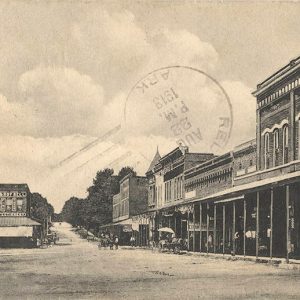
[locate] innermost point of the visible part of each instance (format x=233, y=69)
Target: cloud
x=59, y=101
x=70, y=88
x=244, y=112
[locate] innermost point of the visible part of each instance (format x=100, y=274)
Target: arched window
x=267, y=149
x=285, y=143
x=275, y=147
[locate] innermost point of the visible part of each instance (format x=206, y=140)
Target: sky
x=68, y=69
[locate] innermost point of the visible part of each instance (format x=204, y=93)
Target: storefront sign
x=13, y=203
x=190, y=194
x=12, y=214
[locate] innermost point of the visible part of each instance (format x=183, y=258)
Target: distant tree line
x=96, y=209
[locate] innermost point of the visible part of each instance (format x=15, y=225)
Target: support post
x=194, y=230
x=257, y=224
x=207, y=227
x=271, y=223
x=175, y=224
x=233, y=229
x=200, y=225
x=287, y=198
x=245, y=222
x=215, y=226
x=188, y=230
x=224, y=220
x=181, y=226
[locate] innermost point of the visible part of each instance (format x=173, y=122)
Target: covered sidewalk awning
x=17, y=221
x=17, y=226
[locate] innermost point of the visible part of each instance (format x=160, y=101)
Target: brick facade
x=209, y=177
x=132, y=199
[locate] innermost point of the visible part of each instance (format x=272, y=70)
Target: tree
x=96, y=209
x=40, y=208
x=98, y=206
x=73, y=211
x=125, y=171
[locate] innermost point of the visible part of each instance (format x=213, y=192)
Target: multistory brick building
x=17, y=228
x=166, y=190
x=131, y=201
x=245, y=202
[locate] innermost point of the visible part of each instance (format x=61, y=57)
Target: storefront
x=21, y=232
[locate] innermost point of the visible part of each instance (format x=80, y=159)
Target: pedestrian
x=132, y=241
x=111, y=242
x=116, y=242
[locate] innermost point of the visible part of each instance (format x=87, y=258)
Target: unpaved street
x=77, y=269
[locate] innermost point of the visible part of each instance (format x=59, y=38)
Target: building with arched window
x=246, y=201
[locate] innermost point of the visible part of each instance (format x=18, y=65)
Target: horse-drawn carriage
x=176, y=245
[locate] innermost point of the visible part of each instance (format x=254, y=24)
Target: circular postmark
x=180, y=104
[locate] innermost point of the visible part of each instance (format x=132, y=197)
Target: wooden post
x=194, y=230
x=257, y=224
x=181, y=226
x=233, y=229
x=175, y=224
x=188, y=230
x=271, y=223
x=215, y=226
x=287, y=198
x=140, y=232
x=200, y=225
x=207, y=227
x=245, y=222
x=224, y=220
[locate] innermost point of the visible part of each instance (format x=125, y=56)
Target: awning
x=17, y=221
x=230, y=199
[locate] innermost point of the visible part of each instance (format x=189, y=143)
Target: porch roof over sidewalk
x=17, y=221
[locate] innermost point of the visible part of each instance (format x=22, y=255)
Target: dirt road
x=77, y=269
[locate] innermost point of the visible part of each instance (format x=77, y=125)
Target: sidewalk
x=281, y=263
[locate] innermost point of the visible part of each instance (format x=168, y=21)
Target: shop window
x=276, y=147
x=285, y=144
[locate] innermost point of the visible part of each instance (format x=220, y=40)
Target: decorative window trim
x=276, y=126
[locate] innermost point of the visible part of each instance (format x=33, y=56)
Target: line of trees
x=96, y=209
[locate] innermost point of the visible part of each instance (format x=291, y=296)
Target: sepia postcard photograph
x=149, y=149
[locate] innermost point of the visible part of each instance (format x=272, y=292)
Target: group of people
x=108, y=240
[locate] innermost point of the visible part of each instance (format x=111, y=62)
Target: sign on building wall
x=190, y=194
x=13, y=203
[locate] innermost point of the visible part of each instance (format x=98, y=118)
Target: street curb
x=275, y=262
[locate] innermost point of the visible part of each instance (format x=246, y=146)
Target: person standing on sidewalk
x=132, y=241
x=116, y=242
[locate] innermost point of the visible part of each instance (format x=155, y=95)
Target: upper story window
x=267, y=150
x=276, y=147
x=285, y=143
